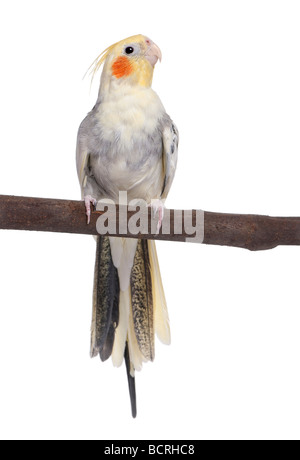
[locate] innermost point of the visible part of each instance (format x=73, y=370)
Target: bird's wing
x=170, y=155
x=87, y=142
x=82, y=158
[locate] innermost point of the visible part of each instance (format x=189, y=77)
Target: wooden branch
x=244, y=231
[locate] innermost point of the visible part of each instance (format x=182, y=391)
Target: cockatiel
x=127, y=143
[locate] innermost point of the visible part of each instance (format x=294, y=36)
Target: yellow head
x=130, y=61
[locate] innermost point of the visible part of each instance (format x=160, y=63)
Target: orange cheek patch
x=121, y=67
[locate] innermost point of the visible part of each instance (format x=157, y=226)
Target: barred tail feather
x=94, y=350
x=136, y=356
x=142, y=301
x=105, y=301
x=129, y=305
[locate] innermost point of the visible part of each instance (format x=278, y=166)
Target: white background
x=230, y=80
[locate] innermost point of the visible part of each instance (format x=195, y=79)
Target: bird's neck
x=114, y=91
x=129, y=107
x=140, y=79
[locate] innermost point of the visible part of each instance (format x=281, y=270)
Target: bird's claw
x=158, y=208
x=88, y=200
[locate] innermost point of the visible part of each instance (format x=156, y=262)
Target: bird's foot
x=158, y=208
x=88, y=200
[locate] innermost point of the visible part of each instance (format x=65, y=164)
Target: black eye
x=129, y=50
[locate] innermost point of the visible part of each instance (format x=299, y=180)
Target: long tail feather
x=129, y=305
x=161, y=316
x=142, y=301
x=136, y=356
x=122, y=329
x=131, y=381
x=105, y=301
x=123, y=251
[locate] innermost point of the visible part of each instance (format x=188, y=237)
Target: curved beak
x=153, y=53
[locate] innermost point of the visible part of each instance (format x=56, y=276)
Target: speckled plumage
x=105, y=301
x=142, y=300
